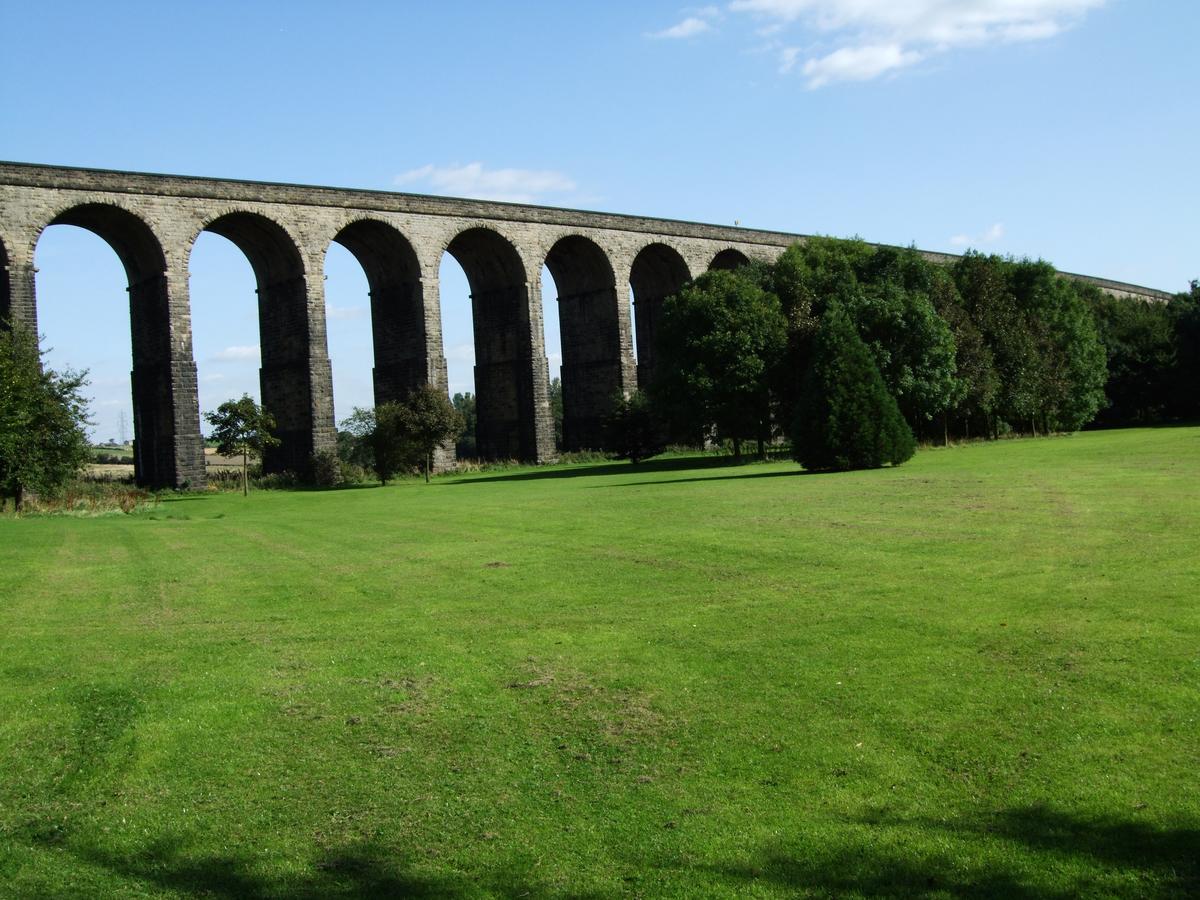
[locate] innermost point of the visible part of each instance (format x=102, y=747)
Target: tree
x=387, y=439
x=631, y=430
x=912, y=344
x=409, y=432
x=720, y=340
x=805, y=278
x=465, y=442
x=887, y=294
x=974, y=366
x=556, y=411
x=1139, y=343
x=1185, y=308
x=42, y=420
x=1071, y=367
x=985, y=287
x=846, y=419
x=355, y=441
x=242, y=427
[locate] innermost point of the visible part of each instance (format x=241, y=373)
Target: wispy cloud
x=694, y=23
x=991, y=236
x=344, y=312
x=857, y=63
x=865, y=39
x=689, y=27
x=237, y=354
x=461, y=353
x=475, y=180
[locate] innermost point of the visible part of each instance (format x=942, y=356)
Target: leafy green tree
x=1140, y=347
x=846, y=419
x=805, y=278
x=1071, y=358
x=631, y=430
x=989, y=300
x=887, y=294
x=912, y=344
x=976, y=381
x=465, y=442
x=354, y=440
x=388, y=435
x=1185, y=309
x=43, y=415
x=720, y=340
x=410, y=432
x=242, y=428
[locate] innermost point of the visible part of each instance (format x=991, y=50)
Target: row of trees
x=982, y=347
x=850, y=350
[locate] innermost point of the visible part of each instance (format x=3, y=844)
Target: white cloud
x=461, y=353
x=473, y=180
x=237, y=354
x=991, y=236
x=344, y=312
x=696, y=21
x=873, y=37
x=857, y=63
x=689, y=27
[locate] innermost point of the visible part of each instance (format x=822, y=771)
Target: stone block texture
x=599, y=262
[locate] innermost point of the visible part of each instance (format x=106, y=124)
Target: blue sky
x=1065, y=129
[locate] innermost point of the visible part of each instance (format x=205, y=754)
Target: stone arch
x=511, y=375
x=400, y=329
x=167, y=449
x=597, y=357
x=657, y=272
x=728, y=259
x=295, y=376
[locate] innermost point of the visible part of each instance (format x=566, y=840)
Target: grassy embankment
x=978, y=673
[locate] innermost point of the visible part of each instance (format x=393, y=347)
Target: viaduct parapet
x=152, y=222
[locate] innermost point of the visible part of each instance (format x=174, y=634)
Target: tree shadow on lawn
x=673, y=464
x=1123, y=856
x=1140, y=858
x=357, y=870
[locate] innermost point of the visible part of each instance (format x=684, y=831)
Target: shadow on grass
x=358, y=870
x=1116, y=858
x=192, y=496
x=1059, y=856
x=671, y=464
x=790, y=473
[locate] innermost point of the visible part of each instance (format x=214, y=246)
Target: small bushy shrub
x=327, y=469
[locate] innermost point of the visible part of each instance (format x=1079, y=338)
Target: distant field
x=976, y=674
x=212, y=460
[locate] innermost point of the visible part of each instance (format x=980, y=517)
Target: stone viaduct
x=152, y=221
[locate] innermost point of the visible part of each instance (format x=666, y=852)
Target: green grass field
x=977, y=674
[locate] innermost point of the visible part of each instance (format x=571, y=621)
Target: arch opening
x=658, y=271
x=511, y=378
x=161, y=383
x=728, y=260
x=399, y=327
x=294, y=374
x=597, y=361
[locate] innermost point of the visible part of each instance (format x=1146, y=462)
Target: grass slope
x=976, y=674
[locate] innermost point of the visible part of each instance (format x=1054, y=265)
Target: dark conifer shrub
x=845, y=418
